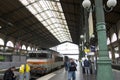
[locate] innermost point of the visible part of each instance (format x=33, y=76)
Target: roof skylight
x=51, y=15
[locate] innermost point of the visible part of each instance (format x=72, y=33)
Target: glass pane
x=43, y=4
x=44, y=15
x=25, y=2
x=59, y=6
x=42, y=55
x=31, y=1
x=31, y=9
x=32, y=55
x=48, y=21
x=39, y=17
x=53, y=20
x=44, y=23
x=49, y=13
x=49, y=28
x=37, y=7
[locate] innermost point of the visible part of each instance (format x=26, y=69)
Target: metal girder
x=23, y=19
x=70, y=54
x=70, y=3
x=29, y=31
x=22, y=28
x=11, y=12
x=116, y=12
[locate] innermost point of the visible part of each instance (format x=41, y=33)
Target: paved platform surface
x=62, y=75
x=116, y=74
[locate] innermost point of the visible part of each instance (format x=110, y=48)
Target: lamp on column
x=82, y=36
x=104, y=70
x=86, y=4
x=81, y=46
x=110, y=4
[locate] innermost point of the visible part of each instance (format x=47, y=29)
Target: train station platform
x=62, y=75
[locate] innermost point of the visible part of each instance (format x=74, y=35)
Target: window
x=114, y=38
x=58, y=58
x=42, y=55
x=24, y=47
x=38, y=55
x=32, y=55
x=108, y=41
x=28, y=48
x=10, y=44
x=1, y=42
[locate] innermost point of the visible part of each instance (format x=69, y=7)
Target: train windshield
x=38, y=55
x=32, y=55
x=42, y=55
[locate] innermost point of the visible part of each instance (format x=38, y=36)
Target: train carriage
x=44, y=61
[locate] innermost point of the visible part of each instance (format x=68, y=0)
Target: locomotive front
x=39, y=62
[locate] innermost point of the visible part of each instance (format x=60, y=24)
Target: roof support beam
x=22, y=28
x=70, y=54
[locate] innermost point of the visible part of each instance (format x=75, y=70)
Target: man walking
x=71, y=70
x=87, y=66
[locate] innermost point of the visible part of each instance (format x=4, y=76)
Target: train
x=44, y=61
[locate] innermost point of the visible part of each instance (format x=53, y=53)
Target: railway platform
x=61, y=74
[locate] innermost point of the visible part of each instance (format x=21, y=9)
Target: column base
x=104, y=69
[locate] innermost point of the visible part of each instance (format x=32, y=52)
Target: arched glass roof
x=50, y=14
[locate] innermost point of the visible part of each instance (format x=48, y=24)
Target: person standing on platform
x=71, y=70
x=82, y=65
x=9, y=74
x=87, y=66
x=66, y=65
x=24, y=71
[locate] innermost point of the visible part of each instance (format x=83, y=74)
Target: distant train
x=44, y=61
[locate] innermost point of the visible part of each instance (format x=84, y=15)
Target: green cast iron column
x=104, y=70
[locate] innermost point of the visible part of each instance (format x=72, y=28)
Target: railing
x=116, y=66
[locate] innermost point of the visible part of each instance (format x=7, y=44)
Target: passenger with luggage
x=9, y=74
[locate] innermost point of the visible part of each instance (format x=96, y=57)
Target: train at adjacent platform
x=44, y=61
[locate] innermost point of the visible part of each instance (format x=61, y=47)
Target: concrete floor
x=62, y=75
